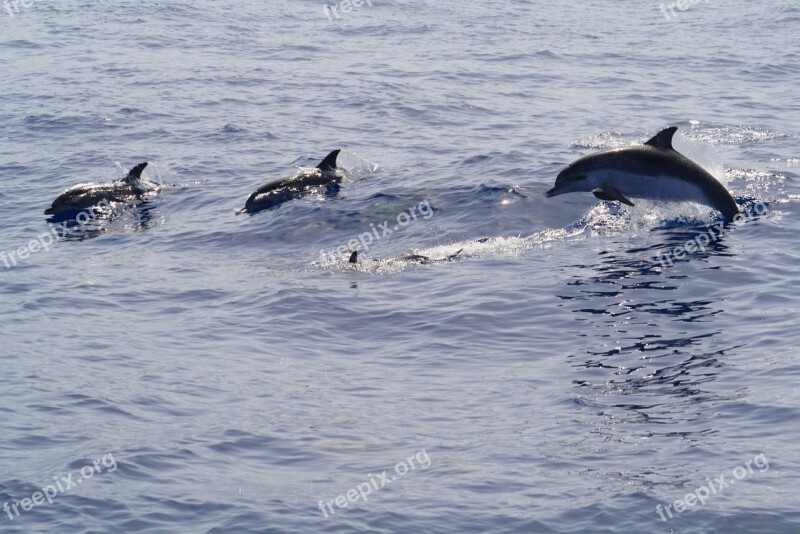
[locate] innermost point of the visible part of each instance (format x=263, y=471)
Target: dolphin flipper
x=329, y=163
x=612, y=194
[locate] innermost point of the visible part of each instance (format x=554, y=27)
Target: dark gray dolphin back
x=329, y=163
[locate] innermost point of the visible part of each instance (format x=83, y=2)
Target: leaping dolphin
x=654, y=171
x=85, y=196
x=326, y=174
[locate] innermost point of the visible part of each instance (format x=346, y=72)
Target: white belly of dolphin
x=664, y=188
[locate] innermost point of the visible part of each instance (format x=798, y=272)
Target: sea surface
x=174, y=367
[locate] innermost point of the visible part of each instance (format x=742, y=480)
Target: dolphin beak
x=553, y=192
x=49, y=211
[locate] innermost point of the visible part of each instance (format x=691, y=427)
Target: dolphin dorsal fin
x=663, y=139
x=329, y=163
x=136, y=173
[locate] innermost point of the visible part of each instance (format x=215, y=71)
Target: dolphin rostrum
x=324, y=175
x=85, y=196
x=653, y=171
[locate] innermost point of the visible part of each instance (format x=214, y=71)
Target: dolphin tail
x=135, y=174
x=728, y=207
x=329, y=163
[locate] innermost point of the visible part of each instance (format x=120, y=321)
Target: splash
x=701, y=152
x=357, y=167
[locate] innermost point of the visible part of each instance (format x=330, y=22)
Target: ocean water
x=199, y=371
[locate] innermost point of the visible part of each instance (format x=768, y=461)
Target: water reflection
x=648, y=351
x=135, y=217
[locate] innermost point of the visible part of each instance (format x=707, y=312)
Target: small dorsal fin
x=329, y=163
x=136, y=173
x=663, y=139
x=353, y=257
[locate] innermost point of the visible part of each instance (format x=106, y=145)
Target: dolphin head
x=580, y=175
x=61, y=203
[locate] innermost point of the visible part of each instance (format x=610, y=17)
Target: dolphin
x=416, y=258
x=654, y=171
x=85, y=196
x=326, y=175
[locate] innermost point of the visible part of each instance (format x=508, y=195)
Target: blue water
x=227, y=378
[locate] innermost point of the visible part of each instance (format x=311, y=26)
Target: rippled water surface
x=199, y=371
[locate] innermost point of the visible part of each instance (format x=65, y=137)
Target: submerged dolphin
x=325, y=174
x=85, y=196
x=653, y=171
x=418, y=258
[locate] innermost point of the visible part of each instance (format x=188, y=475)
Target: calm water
x=199, y=371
